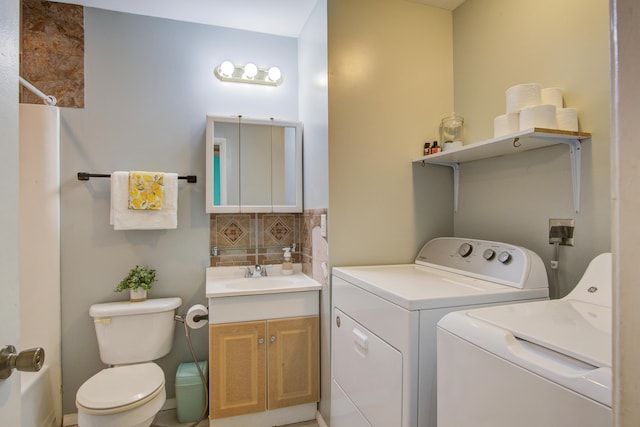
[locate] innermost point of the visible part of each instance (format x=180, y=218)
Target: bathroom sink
x=230, y=281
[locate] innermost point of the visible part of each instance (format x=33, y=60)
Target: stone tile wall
x=311, y=220
x=52, y=51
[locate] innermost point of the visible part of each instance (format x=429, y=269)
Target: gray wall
x=149, y=86
x=314, y=110
x=312, y=55
x=500, y=43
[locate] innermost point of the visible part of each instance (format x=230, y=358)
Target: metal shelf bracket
x=575, y=152
x=456, y=181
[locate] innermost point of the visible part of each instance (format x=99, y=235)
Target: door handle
x=360, y=338
x=27, y=361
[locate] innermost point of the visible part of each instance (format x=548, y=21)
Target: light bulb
x=227, y=68
x=250, y=70
x=274, y=74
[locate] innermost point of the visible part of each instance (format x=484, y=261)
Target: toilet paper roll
x=567, y=119
x=538, y=116
x=506, y=124
x=196, y=310
x=453, y=145
x=522, y=96
x=552, y=96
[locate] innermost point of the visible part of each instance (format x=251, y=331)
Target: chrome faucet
x=258, y=271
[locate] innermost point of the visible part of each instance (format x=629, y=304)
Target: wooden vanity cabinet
x=261, y=365
x=237, y=369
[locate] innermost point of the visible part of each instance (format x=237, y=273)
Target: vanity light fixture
x=249, y=73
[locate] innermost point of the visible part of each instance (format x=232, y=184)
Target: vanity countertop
x=231, y=281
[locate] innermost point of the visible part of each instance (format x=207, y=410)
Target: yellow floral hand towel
x=146, y=190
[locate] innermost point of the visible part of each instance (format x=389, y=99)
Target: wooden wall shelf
x=514, y=143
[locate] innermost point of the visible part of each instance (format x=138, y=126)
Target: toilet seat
x=120, y=388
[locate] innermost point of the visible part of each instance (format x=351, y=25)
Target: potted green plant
x=138, y=281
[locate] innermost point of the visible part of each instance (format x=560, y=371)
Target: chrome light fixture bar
x=248, y=73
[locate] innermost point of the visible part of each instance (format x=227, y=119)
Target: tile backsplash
x=258, y=238
x=252, y=238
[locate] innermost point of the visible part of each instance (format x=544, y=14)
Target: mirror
x=253, y=165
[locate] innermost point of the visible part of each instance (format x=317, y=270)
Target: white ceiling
x=280, y=17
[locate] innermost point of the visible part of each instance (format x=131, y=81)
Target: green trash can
x=190, y=395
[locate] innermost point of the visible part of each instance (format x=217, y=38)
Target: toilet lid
x=120, y=386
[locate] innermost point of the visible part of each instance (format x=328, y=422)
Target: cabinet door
x=293, y=361
x=237, y=353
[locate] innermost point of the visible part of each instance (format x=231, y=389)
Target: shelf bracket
x=456, y=181
x=575, y=154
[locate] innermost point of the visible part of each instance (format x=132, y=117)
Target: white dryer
x=384, y=324
x=528, y=365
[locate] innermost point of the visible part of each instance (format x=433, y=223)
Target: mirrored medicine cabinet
x=253, y=165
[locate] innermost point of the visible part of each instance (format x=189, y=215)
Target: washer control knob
x=465, y=250
x=489, y=254
x=504, y=257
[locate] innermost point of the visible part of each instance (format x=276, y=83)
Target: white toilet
x=130, y=335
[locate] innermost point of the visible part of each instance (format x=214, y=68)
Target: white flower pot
x=136, y=295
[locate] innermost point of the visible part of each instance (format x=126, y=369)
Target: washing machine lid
x=574, y=328
x=120, y=386
x=568, y=342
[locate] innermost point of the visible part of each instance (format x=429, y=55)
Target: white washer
x=384, y=324
x=534, y=364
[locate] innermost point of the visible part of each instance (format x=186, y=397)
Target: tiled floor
x=169, y=419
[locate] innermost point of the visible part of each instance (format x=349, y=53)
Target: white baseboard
x=72, y=419
x=69, y=420
x=169, y=404
x=320, y=420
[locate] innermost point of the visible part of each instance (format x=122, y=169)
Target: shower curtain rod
x=48, y=99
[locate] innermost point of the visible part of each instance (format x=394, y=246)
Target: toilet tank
x=133, y=332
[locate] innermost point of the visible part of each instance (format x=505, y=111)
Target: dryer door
x=362, y=362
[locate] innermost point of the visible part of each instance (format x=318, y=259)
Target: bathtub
x=37, y=399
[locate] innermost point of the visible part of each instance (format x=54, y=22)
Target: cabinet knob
x=261, y=341
x=273, y=338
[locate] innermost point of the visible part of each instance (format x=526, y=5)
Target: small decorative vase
x=139, y=294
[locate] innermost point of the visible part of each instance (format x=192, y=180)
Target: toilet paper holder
x=199, y=317
x=196, y=317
